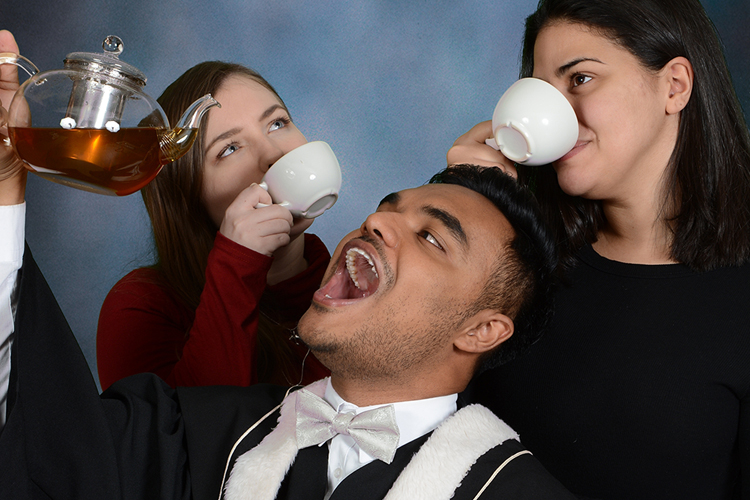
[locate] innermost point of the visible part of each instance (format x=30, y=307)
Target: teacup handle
x=264, y=186
x=261, y=205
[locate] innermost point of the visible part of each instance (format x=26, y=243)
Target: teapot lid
x=107, y=63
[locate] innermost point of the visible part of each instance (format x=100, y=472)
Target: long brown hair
x=183, y=231
x=707, y=185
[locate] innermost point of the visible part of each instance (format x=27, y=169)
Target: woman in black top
x=641, y=389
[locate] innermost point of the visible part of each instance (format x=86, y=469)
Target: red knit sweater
x=145, y=327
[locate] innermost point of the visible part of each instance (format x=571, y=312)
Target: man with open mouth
x=442, y=281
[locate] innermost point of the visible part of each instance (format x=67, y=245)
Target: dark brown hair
x=183, y=231
x=522, y=282
x=706, y=200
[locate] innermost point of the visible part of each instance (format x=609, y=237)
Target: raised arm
x=12, y=212
x=12, y=173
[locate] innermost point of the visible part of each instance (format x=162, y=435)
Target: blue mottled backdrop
x=388, y=84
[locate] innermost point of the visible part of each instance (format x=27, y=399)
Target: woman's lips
x=576, y=149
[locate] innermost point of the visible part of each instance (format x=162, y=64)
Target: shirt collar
x=414, y=418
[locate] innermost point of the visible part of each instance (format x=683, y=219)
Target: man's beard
x=385, y=349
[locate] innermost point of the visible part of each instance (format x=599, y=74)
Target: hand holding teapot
x=91, y=126
x=10, y=163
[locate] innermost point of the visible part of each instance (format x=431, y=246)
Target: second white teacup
x=533, y=123
x=306, y=180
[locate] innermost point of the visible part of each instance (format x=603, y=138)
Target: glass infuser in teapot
x=91, y=126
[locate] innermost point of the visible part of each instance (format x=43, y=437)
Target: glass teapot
x=91, y=126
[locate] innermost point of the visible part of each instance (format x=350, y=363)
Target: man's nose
x=384, y=226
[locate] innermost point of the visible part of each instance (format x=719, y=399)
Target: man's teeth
x=351, y=266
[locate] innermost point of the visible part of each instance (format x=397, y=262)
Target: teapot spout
x=176, y=142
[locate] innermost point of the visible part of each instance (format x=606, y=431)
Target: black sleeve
x=61, y=440
x=743, y=441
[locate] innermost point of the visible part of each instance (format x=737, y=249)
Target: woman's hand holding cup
x=263, y=228
x=533, y=123
x=471, y=148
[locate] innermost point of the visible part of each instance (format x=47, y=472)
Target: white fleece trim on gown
x=440, y=465
x=434, y=473
x=258, y=473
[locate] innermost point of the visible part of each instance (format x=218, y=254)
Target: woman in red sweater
x=230, y=280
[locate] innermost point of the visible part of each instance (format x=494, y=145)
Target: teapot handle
x=20, y=61
x=11, y=164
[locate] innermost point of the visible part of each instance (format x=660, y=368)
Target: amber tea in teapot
x=91, y=126
x=97, y=160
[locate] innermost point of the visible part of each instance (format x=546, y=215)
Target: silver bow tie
x=375, y=431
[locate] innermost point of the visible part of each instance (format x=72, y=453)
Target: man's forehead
x=447, y=194
x=469, y=207
x=424, y=192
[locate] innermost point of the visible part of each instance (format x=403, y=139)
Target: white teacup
x=533, y=123
x=306, y=180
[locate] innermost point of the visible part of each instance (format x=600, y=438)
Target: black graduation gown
x=142, y=440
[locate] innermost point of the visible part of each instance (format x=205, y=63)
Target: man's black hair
x=522, y=284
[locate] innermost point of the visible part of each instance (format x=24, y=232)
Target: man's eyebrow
x=450, y=222
x=390, y=199
x=565, y=67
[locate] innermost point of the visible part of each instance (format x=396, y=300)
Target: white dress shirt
x=12, y=220
x=414, y=419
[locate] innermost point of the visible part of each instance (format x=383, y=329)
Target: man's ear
x=679, y=75
x=484, y=331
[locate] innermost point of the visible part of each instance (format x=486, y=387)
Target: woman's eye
x=279, y=123
x=580, y=79
x=430, y=238
x=228, y=150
